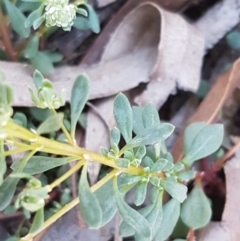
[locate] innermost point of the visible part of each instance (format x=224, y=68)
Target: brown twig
x=191, y=235
x=6, y=39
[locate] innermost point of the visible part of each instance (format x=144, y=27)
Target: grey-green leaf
x=159, y=165
x=138, y=126
x=7, y=190
x=90, y=22
x=37, y=221
x=32, y=47
x=190, y=133
x=20, y=118
x=122, y=162
x=196, y=211
x=177, y=190
x=187, y=175
x=140, y=193
x=123, y=115
x=89, y=205
x=105, y=196
x=207, y=141
x=17, y=19
x=51, y=124
x=40, y=164
x=152, y=135
x=33, y=17
x=150, y=116
x=79, y=98
x=131, y=216
x=42, y=62
x=115, y=136
x=171, y=212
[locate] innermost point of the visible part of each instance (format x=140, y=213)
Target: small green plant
x=141, y=162
x=44, y=17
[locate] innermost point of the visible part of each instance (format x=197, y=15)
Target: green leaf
x=152, y=135
x=177, y=190
x=89, y=205
x=159, y=165
x=7, y=190
x=126, y=230
x=122, y=163
x=17, y=19
x=207, y=141
x=37, y=221
x=178, y=167
x=51, y=124
x=150, y=116
x=233, y=40
x=138, y=126
x=131, y=216
x=196, y=211
x=38, y=22
x=187, y=175
x=105, y=196
x=32, y=47
x=190, y=133
x=20, y=118
x=123, y=115
x=40, y=114
x=42, y=63
x=3, y=164
x=147, y=162
x=79, y=98
x=91, y=22
x=171, y=212
x=40, y=164
x=54, y=56
x=154, y=217
x=140, y=193
x=141, y=152
x=33, y=17
x=115, y=136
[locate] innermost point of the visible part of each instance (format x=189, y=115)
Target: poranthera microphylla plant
x=143, y=162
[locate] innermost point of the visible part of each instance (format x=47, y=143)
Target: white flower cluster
x=60, y=13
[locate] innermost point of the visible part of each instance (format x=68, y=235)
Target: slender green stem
x=67, y=174
x=70, y=205
x=69, y=138
x=56, y=147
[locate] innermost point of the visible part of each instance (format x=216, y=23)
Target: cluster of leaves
x=45, y=17
x=142, y=164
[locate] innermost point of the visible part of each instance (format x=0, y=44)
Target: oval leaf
x=123, y=115
x=190, y=133
x=17, y=19
x=89, y=205
x=42, y=63
x=33, y=17
x=152, y=135
x=196, y=211
x=131, y=216
x=171, y=212
x=79, y=98
x=51, y=124
x=138, y=126
x=32, y=47
x=207, y=141
x=140, y=193
x=150, y=116
x=105, y=196
x=177, y=190
x=39, y=164
x=37, y=221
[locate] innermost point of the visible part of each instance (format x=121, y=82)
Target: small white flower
x=60, y=13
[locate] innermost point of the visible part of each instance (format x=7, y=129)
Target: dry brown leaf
x=228, y=228
x=212, y=103
x=97, y=132
x=103, y=3
x=139, y=37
